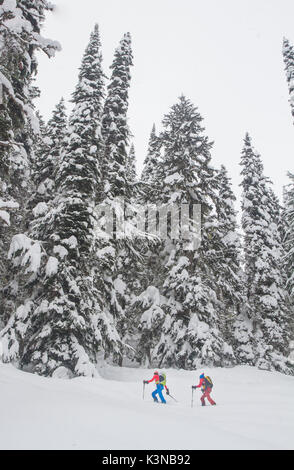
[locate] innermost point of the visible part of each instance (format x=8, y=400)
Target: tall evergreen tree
x=65, y=321
x=265, y=280
x=49, y=153
x=131, y=174
x=149, y=162
x=288, y=55
x=48, y=157
x=114, y=122
x=188, y=334
x=131, y=165
x=119, y=190
x=149, y=197
x=20, y=38
x=288, y=240
x=148, y=298
x=227, y=257
x=151, y=175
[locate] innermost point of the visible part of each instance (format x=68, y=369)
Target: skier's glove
x=167, y=391
x=145, y=381
x=194, y=387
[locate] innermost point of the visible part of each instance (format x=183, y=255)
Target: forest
x=73, y=295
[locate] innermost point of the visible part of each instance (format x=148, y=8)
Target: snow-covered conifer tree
x=151, y=174
x=119, y=188
x=288, y=55
x=149, y=197
x=48, y=154
x=227, y=256
x=288, y=241
x=48, y=157
x=264, y=277
x=65, y=324
x=20, y=38
x=114, y=122
x=188, y=335
x=131, y=165
x=20, y=24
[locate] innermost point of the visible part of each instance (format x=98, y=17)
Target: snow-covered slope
x=255, y=410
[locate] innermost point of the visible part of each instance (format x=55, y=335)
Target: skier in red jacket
x=160, y=386
x=206, y=388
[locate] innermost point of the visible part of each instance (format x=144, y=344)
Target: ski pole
x=143, y=389
x=172, y=397
x=192, y=398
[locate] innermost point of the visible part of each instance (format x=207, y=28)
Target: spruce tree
x=131, y=174
x=151, y=177
x=48, y=157
x=131, y=165
x=227, y=256
x=288, y=240
x=288, y=55
x=148, y=298
x=265, y=280
x=20, y=38
x=119, y=192
x=188, y=335
x=114, y=122
x=49, y=153
x=149, y=197
x=65, y=322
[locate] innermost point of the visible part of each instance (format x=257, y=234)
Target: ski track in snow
x=255, y=410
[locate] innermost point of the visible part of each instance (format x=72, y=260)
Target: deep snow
x=255, y=410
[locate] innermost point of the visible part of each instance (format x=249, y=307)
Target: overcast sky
x=224, y=55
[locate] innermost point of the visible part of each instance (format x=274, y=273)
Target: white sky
x=224, y=55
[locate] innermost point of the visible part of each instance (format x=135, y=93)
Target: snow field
x=254, y=410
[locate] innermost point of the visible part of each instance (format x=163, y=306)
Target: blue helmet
x=202, y=376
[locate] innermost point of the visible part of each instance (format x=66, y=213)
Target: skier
x=206, y=387
x=160, y=381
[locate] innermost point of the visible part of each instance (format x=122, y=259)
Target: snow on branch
x=25, y=252
x=47, y=45
x=9, y=143
x=4, y=206
x=16, y=23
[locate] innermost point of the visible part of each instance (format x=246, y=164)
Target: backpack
x=162, y=378
x=208, y=382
